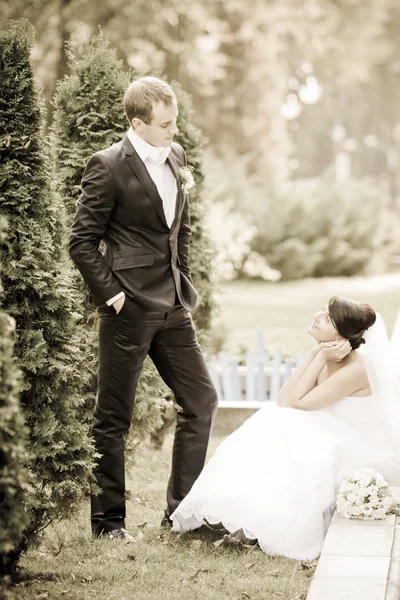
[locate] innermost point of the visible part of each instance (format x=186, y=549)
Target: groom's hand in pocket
x=118, y=304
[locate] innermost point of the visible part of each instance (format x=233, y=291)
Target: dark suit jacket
x=120, y=205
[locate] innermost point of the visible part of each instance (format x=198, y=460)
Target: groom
x=132, y=199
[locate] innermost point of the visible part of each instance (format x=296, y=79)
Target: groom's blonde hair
x=143, y=94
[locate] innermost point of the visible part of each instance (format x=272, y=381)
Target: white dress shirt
x=155, y=162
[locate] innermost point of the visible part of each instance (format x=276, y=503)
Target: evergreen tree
x=202, y=251
x=13, y=476
x=39, y=295
x=88, y=114
x=88, y=117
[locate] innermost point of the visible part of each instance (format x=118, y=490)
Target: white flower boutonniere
x=187, y=180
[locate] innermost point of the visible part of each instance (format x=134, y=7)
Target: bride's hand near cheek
x=314, y=351
x=335, y=351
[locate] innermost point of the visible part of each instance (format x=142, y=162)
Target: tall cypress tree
x=39, y=295
x=88, y=117
x=202, y=251
x=13, y=475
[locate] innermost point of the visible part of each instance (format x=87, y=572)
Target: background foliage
x=293, y=88
x=39, y=295
x=202, y=250
x=88, y=117
x=323, y=228
x=13, y=475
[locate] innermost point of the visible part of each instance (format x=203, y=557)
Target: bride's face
x=322, y=328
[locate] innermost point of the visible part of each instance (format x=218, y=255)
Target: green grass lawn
x=284, y=310
x=161, y=565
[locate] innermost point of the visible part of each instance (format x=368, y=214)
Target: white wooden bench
x=259, y=379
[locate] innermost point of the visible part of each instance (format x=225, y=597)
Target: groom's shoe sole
x=117, y=534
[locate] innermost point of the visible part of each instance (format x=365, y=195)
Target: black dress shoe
x=118, y=534
x=166, y=522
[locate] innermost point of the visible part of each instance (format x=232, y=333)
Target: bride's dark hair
x=351, y=319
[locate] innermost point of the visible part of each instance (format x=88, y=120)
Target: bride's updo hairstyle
x=351, y=319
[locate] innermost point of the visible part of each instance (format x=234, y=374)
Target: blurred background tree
x=294, y=89
x=202, y=250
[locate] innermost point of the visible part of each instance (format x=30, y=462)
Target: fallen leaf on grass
x=42, y=596
x=141, y=525
x=278, y=595
x=250, y=547
x=193, y=575
x=196, y=543
x=219, y=543
x=56, y=551
x=164, y=538
x=86, y=579
x=309, y=565
x=140, y=536
x=251, y=564
x=274, y=573
x=309, y=570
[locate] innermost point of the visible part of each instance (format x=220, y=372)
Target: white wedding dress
x=277, y=476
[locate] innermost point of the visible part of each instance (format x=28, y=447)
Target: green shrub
x=202, y=250
x=39, y=295
x=13, y=475
x=322, y=228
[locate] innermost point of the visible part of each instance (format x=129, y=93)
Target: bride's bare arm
x=344, y=382
x=292, y=382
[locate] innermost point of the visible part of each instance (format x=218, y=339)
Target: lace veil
x=383, y=371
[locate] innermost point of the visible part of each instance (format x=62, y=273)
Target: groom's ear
x=137, y=124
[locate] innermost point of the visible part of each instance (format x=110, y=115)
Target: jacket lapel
x=171, y=160
x=139, y=168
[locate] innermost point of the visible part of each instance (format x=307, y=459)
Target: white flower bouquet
x=364, y=494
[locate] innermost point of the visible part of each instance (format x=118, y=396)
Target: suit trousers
x=169, y=338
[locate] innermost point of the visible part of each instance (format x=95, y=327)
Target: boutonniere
x=187, y=179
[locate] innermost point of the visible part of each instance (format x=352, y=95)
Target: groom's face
x=162, y=127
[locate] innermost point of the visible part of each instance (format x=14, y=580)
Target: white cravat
x=157, y=155
x=154, y=159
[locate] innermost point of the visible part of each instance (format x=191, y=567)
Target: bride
x=275, y=479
